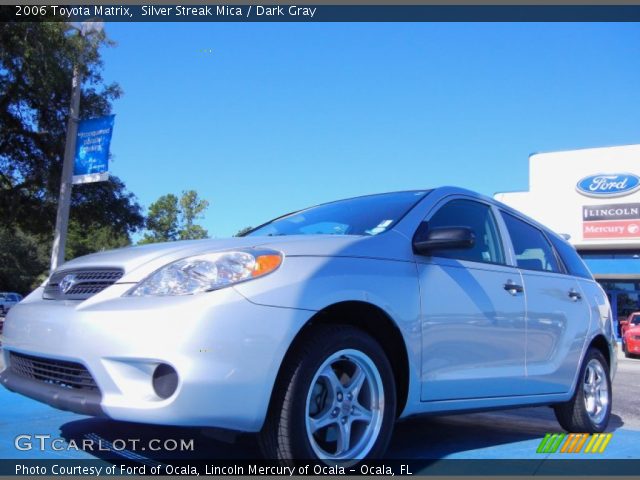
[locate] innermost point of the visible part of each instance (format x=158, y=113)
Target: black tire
x=573, y=415
x=284, y=436
x=625, y=351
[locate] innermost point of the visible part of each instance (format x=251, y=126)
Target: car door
x=557, y=314
x=473, y=330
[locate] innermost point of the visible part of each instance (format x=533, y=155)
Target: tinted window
x=477, y=216
x=635, y=320
x=368, y=215
x=533, y=251
x=570, y=257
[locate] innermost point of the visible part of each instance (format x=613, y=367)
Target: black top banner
x=321, y=13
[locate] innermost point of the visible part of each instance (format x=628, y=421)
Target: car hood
x=138, y=262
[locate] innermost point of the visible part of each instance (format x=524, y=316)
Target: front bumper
x=225, y=349
x=633, y=345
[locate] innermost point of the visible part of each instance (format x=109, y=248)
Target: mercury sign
x=92, y=150
x=608, y=184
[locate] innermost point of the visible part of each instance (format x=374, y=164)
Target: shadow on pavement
x=154, y=442
x=425, y=441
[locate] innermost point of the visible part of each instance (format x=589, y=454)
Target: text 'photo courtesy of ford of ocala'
x=321, y=328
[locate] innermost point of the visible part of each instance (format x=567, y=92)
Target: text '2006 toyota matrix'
x=322, y=327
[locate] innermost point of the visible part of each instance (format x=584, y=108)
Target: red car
x=631, y=335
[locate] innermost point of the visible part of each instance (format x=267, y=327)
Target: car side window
x=533, y=251
x=570, y=257
x=477, y=216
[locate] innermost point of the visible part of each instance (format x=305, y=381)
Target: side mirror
x=445, y=238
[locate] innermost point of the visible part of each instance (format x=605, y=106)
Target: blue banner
x=92, y=150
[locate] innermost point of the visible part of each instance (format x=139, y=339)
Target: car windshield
x=635, y=320
x=368, y=215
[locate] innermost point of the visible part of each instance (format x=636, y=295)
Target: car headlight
x=203, y=273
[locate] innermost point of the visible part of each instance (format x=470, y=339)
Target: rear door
x=473, y=330
x=557, y=312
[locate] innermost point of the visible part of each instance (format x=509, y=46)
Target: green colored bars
x=574, y=442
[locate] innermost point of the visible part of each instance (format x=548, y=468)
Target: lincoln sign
x=620, y=220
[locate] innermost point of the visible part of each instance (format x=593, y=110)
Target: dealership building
x=593, y=197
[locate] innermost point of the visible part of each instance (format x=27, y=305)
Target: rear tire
x=590, y=408
x=334, y=401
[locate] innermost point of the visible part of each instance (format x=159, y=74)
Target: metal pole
x=64, y=201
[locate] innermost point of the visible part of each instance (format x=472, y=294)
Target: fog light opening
x=165, y=380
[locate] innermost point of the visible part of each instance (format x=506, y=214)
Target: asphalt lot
x=512, y=434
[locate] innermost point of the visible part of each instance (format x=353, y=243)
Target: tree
x=170, y=218
x=36, y=67
x=81, y=241
x=23, y=260
x=243, y=231
x=162, y=220
x=192, y=208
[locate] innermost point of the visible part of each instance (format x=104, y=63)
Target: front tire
x=590, y=408
x=335, y=400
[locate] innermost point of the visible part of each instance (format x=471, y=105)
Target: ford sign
x=608, y=184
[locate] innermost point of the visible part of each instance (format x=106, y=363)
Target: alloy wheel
x=344, y=406
x=596, y=391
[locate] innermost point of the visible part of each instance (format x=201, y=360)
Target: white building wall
x=554, y=200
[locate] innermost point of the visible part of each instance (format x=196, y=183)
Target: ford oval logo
x=67, y=283
x=608, y=184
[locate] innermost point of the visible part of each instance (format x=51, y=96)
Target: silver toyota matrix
x=321, y=328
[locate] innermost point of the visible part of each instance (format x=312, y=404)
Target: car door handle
x=574, y=295
x=513, y=288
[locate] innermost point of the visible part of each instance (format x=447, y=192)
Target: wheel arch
x=374, y=321
x=600, y=343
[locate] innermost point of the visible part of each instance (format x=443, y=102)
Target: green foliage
x=243, y=231
x=97, y=238
x=162, y=220
x=23, y=259
x=170, y=218
x=192, y=208
x=36, y=68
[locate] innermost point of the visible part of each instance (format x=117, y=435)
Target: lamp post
x=64, y=199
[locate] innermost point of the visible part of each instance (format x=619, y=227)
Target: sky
x=265, y=118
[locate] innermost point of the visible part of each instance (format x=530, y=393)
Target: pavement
x=498, y=435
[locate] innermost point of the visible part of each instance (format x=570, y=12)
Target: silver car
x=322, y=327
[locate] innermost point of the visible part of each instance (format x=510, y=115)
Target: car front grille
x=80, y=284
x=61, y=373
